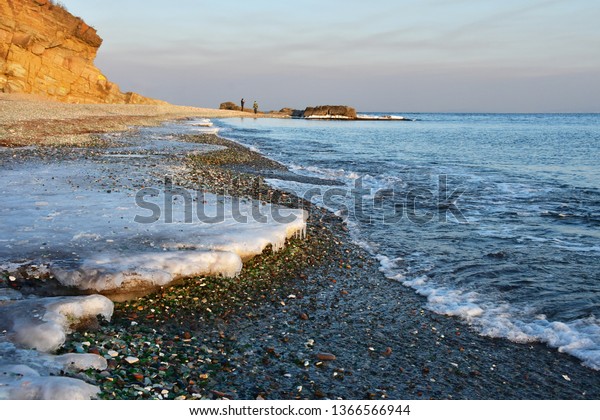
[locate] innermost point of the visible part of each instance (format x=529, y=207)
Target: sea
x=493, y=218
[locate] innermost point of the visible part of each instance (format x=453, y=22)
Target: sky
x=377, y=55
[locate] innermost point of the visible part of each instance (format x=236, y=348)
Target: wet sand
x=315, y=320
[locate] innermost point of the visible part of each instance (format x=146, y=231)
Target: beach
x=315, y=320
x=30, y=119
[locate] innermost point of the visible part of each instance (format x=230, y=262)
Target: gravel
x=316, y=320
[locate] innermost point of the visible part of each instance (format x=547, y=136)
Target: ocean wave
x=334, y=174
x=497, y=319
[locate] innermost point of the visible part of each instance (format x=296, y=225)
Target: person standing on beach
x=243, y=102
x=255, y=106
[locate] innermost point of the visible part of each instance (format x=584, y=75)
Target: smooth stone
x=326, y=357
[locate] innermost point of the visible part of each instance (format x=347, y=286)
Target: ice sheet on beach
x=97, y=239
x=110, y=220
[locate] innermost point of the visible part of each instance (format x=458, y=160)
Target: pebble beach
x=316, y=320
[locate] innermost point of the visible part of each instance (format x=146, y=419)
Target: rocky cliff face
x=45, y=50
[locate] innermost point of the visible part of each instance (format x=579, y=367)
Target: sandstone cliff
x=45, y=50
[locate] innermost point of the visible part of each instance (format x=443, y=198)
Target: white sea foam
x=322, y=172
x=203, y=122
x=327, y=117
x=579, y=248
x=383, y=117
x=580, y=338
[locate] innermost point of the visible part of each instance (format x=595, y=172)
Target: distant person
x=243, y=102
x=255, y=106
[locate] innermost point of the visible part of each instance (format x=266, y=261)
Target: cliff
x=47, y=51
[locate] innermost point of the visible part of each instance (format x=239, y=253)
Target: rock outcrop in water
x=330, y=112
x=47, y=51
x=294, y=113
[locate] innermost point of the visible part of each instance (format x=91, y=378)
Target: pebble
x=113, y=353
x=131, y=360
x=326, y=356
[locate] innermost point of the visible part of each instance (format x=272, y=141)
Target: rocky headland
x=45, y=50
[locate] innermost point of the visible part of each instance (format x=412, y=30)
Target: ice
x=98, y=237
x=91, y=239
x=43, y=323
x=82, y=361
x=108, y=272
x=17, y=382
x=90, y=224
x=10, y=294
x=111, y=221
x=40, y=325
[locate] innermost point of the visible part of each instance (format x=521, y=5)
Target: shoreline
x=30, y=119
x=265, y=333
x=270, y=333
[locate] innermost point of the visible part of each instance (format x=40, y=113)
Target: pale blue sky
x=380, y=55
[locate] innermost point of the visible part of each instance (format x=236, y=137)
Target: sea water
x=494, y=218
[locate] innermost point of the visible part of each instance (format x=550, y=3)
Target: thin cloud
x=497, y=18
